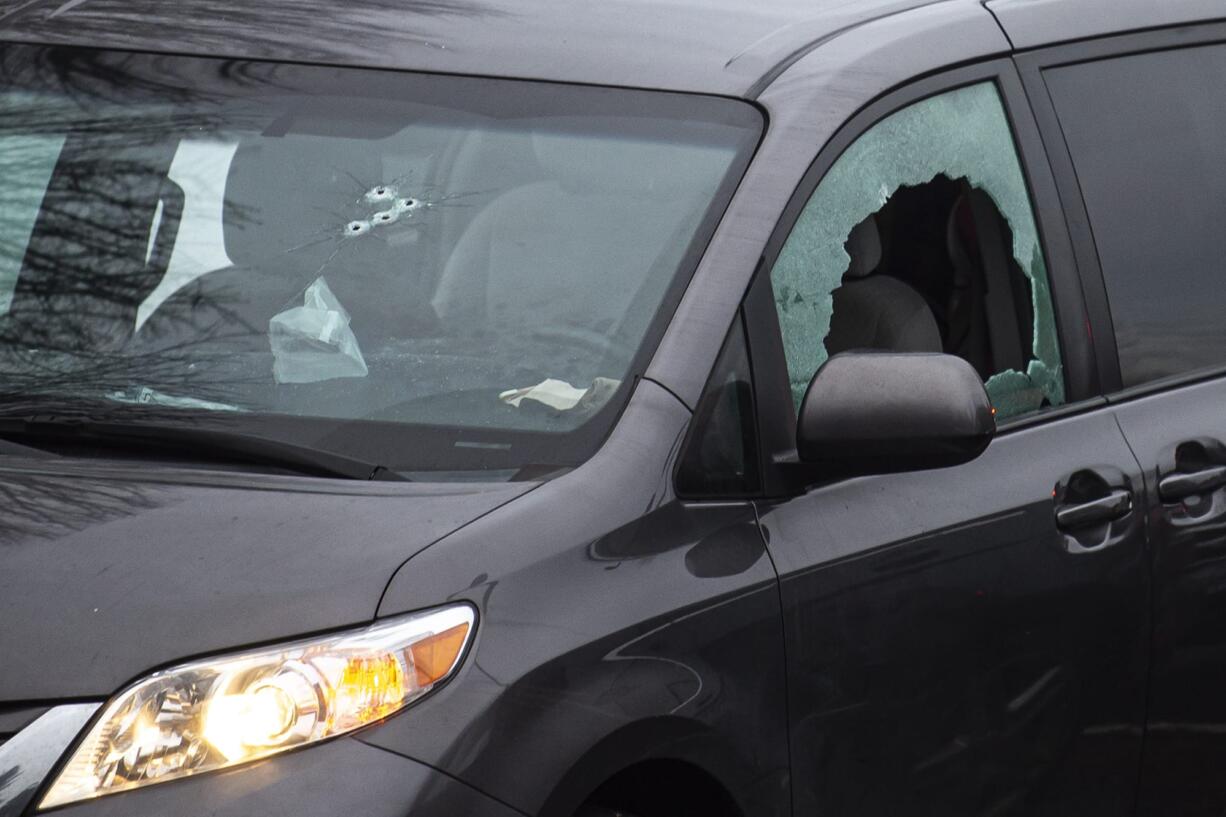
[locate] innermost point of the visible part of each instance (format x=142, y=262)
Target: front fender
x=609, y=610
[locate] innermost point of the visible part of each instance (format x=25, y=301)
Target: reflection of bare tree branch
x=47, y=507
x=94, y=171
x=98, y=152
x=21, y=6
x=217, y=24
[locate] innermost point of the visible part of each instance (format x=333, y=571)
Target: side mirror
x=884, y=412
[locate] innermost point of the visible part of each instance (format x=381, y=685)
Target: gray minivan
x=481, y=408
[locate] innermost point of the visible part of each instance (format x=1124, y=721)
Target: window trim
x=1031, y=66
x=776, y=414
x=701, y=416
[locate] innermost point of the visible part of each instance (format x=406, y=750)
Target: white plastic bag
x=558, y=394
x=313, y=342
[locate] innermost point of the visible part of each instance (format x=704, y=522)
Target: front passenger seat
x=874, y=311
x=575, y=248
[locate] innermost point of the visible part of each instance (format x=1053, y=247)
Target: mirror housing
x=887, y=412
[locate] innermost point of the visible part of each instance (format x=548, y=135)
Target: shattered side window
x=921, y=237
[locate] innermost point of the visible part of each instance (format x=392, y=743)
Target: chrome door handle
x=1177, y=486
x=1114, y=505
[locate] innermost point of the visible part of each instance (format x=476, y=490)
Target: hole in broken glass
x=930, y=272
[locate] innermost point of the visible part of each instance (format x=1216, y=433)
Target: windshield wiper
x=207, y=443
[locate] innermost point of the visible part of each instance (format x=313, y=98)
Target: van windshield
x=436, y=273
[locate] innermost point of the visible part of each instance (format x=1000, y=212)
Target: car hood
x=109, y=572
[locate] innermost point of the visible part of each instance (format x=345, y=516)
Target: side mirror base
x=797, y=476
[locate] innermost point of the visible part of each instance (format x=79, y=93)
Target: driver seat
x=876, y=311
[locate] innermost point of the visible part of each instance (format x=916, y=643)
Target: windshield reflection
x=230, y=241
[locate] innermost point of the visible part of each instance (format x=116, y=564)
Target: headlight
x=221, y=712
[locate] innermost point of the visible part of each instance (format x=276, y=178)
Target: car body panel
x=1035, y=23
x=951, y=651
x=616, y=624
x=722, y=47
x=106, y=575
x=1185, y=742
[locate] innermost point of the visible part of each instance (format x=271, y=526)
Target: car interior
x=932, y=271
x=518, y=259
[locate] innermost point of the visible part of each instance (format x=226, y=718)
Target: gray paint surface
x=111, y=575
x=717, y=46
x=1035, y=23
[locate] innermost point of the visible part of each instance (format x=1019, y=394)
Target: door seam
x=1151, y=589
x=783, y=640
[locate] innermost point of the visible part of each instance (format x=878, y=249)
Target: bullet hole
x=380, y=193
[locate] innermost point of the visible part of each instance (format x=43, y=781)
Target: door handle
x=1113, y=506
x=1177, y=486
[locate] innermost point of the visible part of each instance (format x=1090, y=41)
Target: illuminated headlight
x=218, y=713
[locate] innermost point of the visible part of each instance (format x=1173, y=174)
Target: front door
x=951, y=649
x=970, y=640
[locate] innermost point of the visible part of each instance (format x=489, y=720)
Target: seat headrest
x=863, y=244
x=583, y=163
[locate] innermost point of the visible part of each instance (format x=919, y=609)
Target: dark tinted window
x=1148, y=137
x=721, y=455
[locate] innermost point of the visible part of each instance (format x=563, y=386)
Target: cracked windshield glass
x=438, y=274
